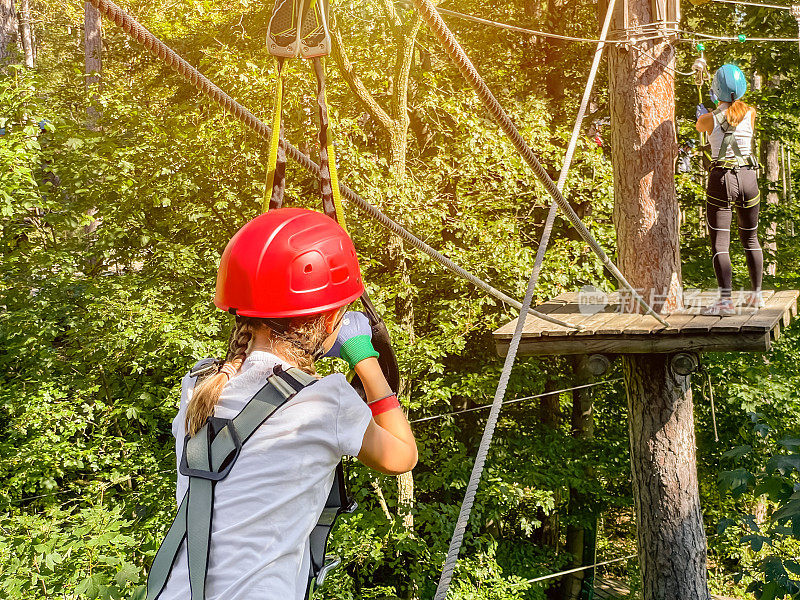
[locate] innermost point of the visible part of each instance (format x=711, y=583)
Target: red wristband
x=384, y=404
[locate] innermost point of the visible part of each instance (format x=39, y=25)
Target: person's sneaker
x=721, y=308
x=754, y=300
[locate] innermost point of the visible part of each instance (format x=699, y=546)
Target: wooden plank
x=635, y=344
x=772, y=313
x=676, y=322
x=620, y=324
x=573, y=312
x=700, y=324
x=645, y=325
x=597, y=321
x=734, y=323
x=695, y=300
x=533, y=324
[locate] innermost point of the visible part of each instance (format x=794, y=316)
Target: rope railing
x=158, y=48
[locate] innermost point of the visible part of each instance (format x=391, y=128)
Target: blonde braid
x=207, y=394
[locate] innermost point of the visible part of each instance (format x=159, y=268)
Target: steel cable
x=468, y=71
x=159, y=49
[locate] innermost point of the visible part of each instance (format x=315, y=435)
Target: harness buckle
x=214, y=427
x=330, y=563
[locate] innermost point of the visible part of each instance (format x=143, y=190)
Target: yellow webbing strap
x=274, y=142
x=337, y=196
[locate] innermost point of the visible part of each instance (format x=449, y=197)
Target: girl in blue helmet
x=732, y=182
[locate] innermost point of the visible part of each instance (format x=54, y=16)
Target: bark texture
x=92, y=44
x=580, y=538
x=26, y=35
x=8, y=32
x=671, y=538
x=644, y=147
x=772, y=150
x=93, y=57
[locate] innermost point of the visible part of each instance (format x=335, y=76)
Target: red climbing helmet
x=289, y=262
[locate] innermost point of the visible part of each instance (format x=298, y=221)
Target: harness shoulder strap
x=208, y=457
x=728, y=140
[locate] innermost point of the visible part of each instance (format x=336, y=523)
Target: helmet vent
x=308, y=268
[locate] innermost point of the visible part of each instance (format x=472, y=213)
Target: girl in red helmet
x=288, y=277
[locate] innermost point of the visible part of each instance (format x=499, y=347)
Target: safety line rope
x=578, y=569
x=644, y=29
x=545, y=34
x=515, y=400
x=451, y=45
x=755, y=4
x=728, y=38
x=158, y=48
x=468, y=71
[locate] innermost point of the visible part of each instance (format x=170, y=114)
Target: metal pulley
x=700, y=68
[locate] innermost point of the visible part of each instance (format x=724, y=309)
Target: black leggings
x=727, y=188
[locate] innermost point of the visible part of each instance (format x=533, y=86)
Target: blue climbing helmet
x=729, y=84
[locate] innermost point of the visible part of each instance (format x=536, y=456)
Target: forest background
x=120, y=185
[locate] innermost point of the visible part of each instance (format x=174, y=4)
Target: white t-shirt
x=265, y=509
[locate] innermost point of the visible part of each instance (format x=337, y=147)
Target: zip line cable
x=468, y=71
x=647, y=29
x=740, y=38
x=578, y=569
x=158, y=48
x=452, y=47
x=780, y=7
x=515, y=400
x=545, y=34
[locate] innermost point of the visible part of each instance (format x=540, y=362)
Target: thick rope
x=483, y=449
x=158, y=48
x=468, y=71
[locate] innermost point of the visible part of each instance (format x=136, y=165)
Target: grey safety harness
x=208, y=457
x=729, y=141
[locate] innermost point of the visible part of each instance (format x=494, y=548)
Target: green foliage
x=768, y=477
x=110, y=238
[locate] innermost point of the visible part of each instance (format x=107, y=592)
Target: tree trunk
x=548, y=534
x=93, y=58
x=580, y=539
x=8, y=32
x=773, y=172
x=672, y=542
x=25, y=32
x=671, y=538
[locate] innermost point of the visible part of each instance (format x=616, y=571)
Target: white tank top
x=743, y=134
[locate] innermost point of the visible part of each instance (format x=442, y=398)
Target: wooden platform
x=609, y=589
x=611, y=327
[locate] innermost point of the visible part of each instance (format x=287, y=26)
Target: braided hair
x=207, y=394
x=295, y=340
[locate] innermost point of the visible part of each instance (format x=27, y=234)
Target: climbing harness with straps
x=208, y=458
x=729, y=141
